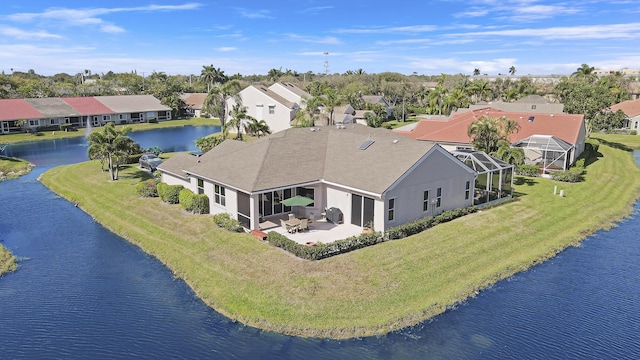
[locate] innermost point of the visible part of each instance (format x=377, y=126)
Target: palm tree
x=476, y=72
x=512, y=70
x=112, y=146
x=216, y=101
x=212, y=75
x=238, y=117
x=508, y=127
x=514, y=156
x=485, y=134
x=331, y=99
x=257, y=128
x=584, y=72
x=480, y=89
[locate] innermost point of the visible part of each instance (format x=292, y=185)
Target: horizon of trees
x=581, y=92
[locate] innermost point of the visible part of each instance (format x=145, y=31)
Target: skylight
x=366, y=144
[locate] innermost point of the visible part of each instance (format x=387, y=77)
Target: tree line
x=581, y=92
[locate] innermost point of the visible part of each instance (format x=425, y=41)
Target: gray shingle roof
x=53, y=107
x=132, y=103
x=301, y=155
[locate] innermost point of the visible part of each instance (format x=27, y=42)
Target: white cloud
x=255, y=14
x=326, y=40
x=26, y=35
x=414, y=29
x=226, y=49
x=613, y=31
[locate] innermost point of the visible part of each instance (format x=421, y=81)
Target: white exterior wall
x=252, y=98
x=634, y=124
x=339, y=198
x=174, y=180
x=438, y=170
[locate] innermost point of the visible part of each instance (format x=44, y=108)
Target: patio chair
x=304, y=225
x=291, y=216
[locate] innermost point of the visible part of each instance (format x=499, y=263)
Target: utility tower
x=326, y=63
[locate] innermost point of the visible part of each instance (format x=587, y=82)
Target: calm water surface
x=82, y=292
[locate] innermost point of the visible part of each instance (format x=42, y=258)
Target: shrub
x=169, y=193
x=225, y=221
x=186, y=199
x=572, y=175
x=152, y=121
x=321, y=251
x=148, y=188
x=527, y=170
x=200, y=204
x=579, y=163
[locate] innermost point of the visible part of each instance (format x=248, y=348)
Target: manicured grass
x=7, y=261
x=13, y=167
x=369, y=291
x=48, y=135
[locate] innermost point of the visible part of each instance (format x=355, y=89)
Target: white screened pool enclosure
x=547, y=152
x=494, y=177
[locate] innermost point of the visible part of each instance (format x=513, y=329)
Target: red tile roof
x=564, y=126
x=630, y=107
x=14, y=109
x=88, y=106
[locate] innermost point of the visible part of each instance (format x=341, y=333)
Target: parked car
x=150, y=161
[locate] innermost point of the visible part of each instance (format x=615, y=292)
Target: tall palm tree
x=211, y=75
x=584, y=72
x=480, y=89
x=216, y=101
x=257, y=128
x=476, y=72
x=507, y=128
x=237, y=118
x=512, y=70
x=112, y=146
x=485, y=134
x=331, y=99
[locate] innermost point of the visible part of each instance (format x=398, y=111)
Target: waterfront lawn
x=14, y=166
x=49, y=135
x=372, y=290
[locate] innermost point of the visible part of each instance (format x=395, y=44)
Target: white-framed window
x=272, y=109
x=425, y=200
x=52, y=121
x=307, y=192
x=34, y=122
x=467, y=190
x=200, y=186
x=219, y=196
x=67, y=120
x=122, y=117
x=392, y=209
x=106, y=117
x=439, y=197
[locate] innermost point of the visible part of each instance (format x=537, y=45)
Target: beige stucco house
x=631, y=108
x=265, y=104
x=373, y=176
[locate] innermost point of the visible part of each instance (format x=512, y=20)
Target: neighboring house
x=265, y=104
x=193, y=103
x=373, y=176
x=291, y=92
x=631, y=108
x=531, y=104
x=343, y=114
x=80, y=111
x=378, y=99
x=551, y=141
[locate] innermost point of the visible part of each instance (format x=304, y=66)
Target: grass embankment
x=13, y=167
x=49, y=135
x=370, y=291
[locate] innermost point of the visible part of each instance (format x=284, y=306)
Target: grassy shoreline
x=373, y=290
x=7, y=261
x=50, y=135
x=13, y=167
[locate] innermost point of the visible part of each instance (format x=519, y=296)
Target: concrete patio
x=320, y=231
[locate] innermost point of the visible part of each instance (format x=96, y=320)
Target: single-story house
x=631, y=108
x=529, y=104
x=551, y=141
x=372, y=176
x=378, y=99
x=79, y=111
x=265, y=104
x=193, y=103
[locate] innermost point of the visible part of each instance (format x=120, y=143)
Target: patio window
x=392, y=209
x=106, y=117
x=439, y=197
x=307, y=192
x=200, y=186
x=270, y=203
x=425, y=200
x=34, y=122
x=467, y=190
x=219, y=195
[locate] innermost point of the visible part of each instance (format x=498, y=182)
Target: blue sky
x=250, y=37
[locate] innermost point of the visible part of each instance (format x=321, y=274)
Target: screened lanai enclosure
x=495, y=177
x=547, y=152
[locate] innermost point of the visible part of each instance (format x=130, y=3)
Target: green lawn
x=48, y=135
x=13, y=165
x=7, y=261
x=369, y=291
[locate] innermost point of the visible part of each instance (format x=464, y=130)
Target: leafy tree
x=608, y=120
x=209, y=142
x=111, y=146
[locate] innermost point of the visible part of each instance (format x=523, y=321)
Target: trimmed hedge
x=225, y=221
x=527, y=170
x=195, y=203
x=322, y=251
x=148, y=188
x=169, y=193
x=68, y=127
x=572, y=175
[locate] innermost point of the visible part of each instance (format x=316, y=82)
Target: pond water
x=82, y=292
